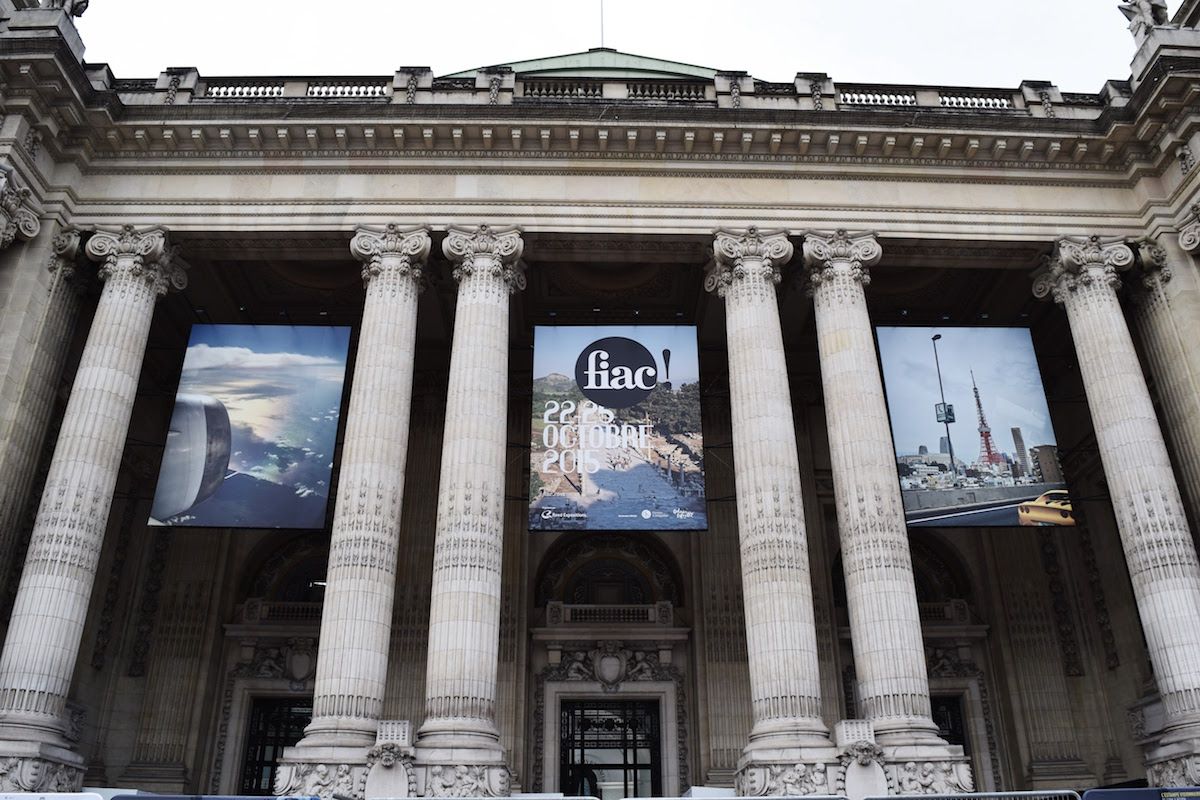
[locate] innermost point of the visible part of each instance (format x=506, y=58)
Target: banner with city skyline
x=616, y=441
x=971, y=428
x=252, y=435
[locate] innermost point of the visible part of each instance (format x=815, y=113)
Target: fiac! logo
x=616, y=372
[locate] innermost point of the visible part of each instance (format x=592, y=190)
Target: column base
x=1174, y=763
x=461, y=772
x=922, y=765
x=27, y=766
x=322, y=772
x=787, y=771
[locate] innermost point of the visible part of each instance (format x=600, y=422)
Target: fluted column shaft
x=885, y=625
x=780, y=633
x=464, y=618
x=1167, y=317
x=51, y=606
x=1082, y=276
x=360, y=583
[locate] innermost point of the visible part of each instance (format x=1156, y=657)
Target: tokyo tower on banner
x=988, y=456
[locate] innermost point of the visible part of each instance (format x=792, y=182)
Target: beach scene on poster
x=617, y=441
x=251, y=438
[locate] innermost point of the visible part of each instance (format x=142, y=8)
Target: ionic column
x=458, y=746
x=1166, y=314
x=361, y=580
x=885, y=625
x=48, y=617
x=781, y=638
x=1082, y=276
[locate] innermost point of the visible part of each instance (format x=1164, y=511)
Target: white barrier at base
x=1048, y=794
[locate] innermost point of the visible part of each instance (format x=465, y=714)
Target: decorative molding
x=326, y=781
x=1187, y=161
x=787, y=780
x=747, y=255
x=1108, y=639
x=17, y=218
x=467, y=780
x=930, y=777
x=148, y=607
x=38, y=775
x=1180, y=771
x=1064, y=623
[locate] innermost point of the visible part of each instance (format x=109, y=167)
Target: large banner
x=971, y=428
x=251, y=439
x=616, y=429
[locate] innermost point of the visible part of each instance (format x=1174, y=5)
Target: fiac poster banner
x=616, y=442
x=251, y=438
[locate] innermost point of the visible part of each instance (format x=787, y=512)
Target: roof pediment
x=601, y=62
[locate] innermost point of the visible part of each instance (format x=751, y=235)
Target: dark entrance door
x=610, y=749
x=275, y=723
x=951, y=722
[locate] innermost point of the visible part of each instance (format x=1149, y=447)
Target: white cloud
x=202, y=356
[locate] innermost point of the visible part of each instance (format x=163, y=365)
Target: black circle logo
x=616, y=372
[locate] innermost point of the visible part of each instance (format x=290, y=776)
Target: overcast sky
x=1006, y=372
x=1077, y=44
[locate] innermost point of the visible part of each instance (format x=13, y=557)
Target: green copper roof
x=601, y=62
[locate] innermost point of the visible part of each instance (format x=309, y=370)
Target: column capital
x=1156, y=267
x=1080, y=261
x=391, y=247
x=64, y=250
x=827, y=253
x=17, y=218
x=747, y=254
x=496, y=250
x=1189, y=237
x=132, y=254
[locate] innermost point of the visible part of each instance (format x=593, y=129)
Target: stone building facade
x=421, y=644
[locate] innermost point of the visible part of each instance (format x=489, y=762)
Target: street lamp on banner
x=945, y=413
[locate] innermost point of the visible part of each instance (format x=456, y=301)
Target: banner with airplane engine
x=617, y=442
x=251, y=438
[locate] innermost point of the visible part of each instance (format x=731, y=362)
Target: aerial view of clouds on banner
x=971, y=427
x=252, y=436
